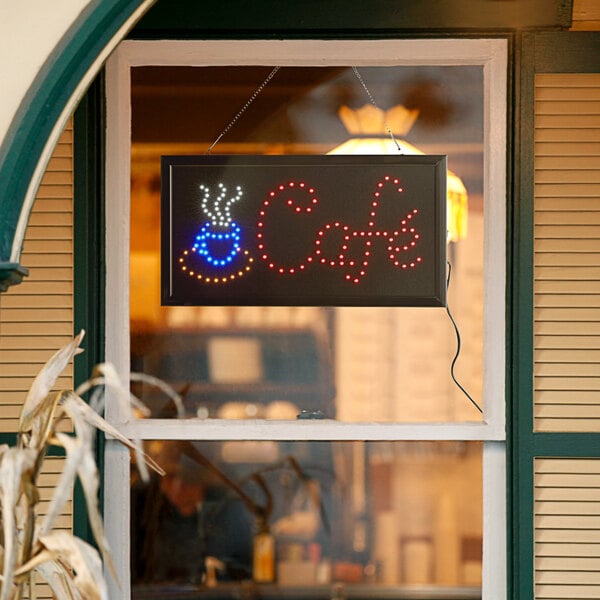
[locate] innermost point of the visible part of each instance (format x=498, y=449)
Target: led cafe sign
x=303, y=230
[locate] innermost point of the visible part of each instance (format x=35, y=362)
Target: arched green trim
x=60, y=83
x=80, y=53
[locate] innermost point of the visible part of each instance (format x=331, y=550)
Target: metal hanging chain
x=250, y=100
x=387, y=127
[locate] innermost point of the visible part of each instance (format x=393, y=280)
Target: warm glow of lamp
x=369, y=126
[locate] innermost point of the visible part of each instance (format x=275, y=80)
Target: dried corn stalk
x=29, y=545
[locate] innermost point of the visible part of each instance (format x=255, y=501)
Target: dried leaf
x=45, y=380
x=76, y=448
x=163, y=387
x=59, y=579
x=123, y=395
x=88, y=476
x=95, y=420
x=15, y=463
x=83, y=558
x=97, y=396
x=42, y=421
x=80, y=461
x=32, y=587
x=106, y=374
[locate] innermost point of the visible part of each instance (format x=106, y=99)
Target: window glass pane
x=352, y=364
x=297, y=518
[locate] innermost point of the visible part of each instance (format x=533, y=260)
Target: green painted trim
x=523, y=443
x=511, y=334
x=566, y=445
x=524, y=162
x=10, y=439
x=521, y=510
x=539, y=53
x=55, y=451
x=89, y=252
x=11, y=274
x=89, y=227
x=44, y=102
x=556, y=52
x=182, y=19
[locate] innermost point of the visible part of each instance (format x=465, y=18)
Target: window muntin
x=491, y=54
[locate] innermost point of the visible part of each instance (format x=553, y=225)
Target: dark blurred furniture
x=296, y=367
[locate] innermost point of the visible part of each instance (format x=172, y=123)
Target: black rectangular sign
x=303, y=230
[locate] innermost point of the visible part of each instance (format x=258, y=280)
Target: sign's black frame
x=423, y=178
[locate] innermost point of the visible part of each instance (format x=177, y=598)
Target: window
x=391, y=424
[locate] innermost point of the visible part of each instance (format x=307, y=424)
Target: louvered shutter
x=558, y=461
x=567, y=528
x=567, y=252
x=36, y=317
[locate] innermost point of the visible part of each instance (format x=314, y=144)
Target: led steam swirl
x=220, y=213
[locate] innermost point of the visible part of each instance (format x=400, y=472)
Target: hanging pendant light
x=370, y=129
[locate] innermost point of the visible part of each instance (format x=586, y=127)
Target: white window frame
x=491, y=54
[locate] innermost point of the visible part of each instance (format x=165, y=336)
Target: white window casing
x=491, y=54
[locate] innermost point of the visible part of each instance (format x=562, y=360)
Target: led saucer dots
x=218, y=244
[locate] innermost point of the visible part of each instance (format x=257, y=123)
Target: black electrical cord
x=458, y=346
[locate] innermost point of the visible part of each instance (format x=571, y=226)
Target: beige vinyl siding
x=567, y=528
x=586, y=15
x=567, y=253
x=36, y=317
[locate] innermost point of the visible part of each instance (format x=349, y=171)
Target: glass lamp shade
x=456, y=194
x=369, y=127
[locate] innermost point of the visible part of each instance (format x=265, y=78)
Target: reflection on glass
x=240, y=372
x=352, y=364
x=374, y=514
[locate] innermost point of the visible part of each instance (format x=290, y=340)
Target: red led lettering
x=354, y=247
